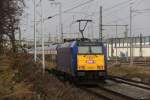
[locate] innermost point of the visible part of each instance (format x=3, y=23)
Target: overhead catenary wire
x=138, y=3
x=114, y=6
x=108, y=13
x=70, y=9
x=107, y=9
x=119, y=19
x=138, y=12
x=122, y=19
x=117, y=5
x=126, y=3
x=119, y=9
x=133, y=2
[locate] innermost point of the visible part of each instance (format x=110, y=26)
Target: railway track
x=106, y=94
x=138, y=63
x=130, y=82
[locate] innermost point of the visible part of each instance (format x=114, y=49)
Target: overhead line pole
x=141, y=40
x=101, y=24
x=127, y=38
x=131, y=34
x=20, y=36
x=116, y=43
x=117, y=36
x=42, y=31
x=35, y=52
x=131, y=44
x=60, y=20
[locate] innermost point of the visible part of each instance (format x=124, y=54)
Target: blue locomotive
x=81, y=60
x=78, y=59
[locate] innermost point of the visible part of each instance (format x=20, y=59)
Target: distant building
x=140, y=46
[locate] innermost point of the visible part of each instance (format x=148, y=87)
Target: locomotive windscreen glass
x=96, y=49
x=83, y=49
x=89, y=49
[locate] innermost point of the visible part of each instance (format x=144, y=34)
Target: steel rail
x=122, y=96
x=129, y=80
x=99, y=95
x=139, y=85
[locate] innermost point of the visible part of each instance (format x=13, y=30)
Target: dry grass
x=9, y=88
x=20, y=90
x=22, y=79
x=131, y=72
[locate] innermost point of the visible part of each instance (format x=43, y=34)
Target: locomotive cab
x=91, y=60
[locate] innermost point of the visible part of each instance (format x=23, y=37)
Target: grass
x=22, y=79
x=131, y=72
x=9, y=88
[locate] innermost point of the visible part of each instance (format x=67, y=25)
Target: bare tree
x=10, y=12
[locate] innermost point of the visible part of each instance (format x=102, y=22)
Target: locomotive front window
x=90, y=50
x=83, y=50
x=96, y=49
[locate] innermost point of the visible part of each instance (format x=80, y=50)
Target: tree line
x=10, y=12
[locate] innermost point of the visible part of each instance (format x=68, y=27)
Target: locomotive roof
x=66, y=44
x=73, y=43
x=89, y=43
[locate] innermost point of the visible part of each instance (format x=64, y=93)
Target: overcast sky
x=114, y=12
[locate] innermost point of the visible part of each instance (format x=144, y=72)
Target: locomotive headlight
x=81, y=67
x=99, y=67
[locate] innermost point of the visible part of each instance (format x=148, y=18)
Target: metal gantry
x=117, y=25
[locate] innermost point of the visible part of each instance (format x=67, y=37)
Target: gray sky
x=112, y=14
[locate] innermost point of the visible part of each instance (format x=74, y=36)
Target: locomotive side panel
x=64, y=60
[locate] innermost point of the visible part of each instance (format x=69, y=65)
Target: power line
x=77, y=6
x=114, y=6
x=70, y=9
x=119, y=8
x=122, y=19
x=138, y=2
x=78, y=12
x=144, y=28
x=141, y=10
x=125, y=18
x=109, y=13
x=117, y=5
